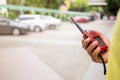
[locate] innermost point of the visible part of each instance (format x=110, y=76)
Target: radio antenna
x=81, y=30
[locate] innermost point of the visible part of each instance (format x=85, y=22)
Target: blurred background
x=13, y=9
x=38, y=40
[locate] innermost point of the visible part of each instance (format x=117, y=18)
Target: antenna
x=82, y=31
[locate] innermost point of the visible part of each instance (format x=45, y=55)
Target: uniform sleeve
x=113, y=72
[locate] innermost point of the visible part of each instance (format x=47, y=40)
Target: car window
x=27, y=18
x=42, y=17
x=3, y=22
x=2, y=19
x=46, y=17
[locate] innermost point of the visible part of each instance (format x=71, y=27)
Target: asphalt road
x=61, y=48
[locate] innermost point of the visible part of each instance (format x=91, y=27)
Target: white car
x=52, y=21
x=34, y=21
x=8, y=26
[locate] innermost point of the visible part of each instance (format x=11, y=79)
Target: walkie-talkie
x=94, y=36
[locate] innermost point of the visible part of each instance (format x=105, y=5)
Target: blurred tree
x=113, y=6
x=79, y=5
x=54, y=4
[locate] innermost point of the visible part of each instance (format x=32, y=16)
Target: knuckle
x=93, y=59
x=88, y=50
x=84, y=46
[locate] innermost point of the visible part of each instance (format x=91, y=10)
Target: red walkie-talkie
x=94, y=36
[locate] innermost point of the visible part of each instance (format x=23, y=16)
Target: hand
x=94, y=51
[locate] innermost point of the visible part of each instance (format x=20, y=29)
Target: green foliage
x=13, y=14
x=113, y=6
x=96, y=9
x=79, y=5
x=54, y=4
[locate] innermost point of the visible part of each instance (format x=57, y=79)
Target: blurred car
x=34, y=21
x=52, y=21
x=81, y=19
x=8, y=26
x=92, y=17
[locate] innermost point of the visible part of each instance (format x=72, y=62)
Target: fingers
x=85, y=43
x=95, y=54
x=92, y=47
x=93, y=50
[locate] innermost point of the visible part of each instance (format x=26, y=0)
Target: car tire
x=37, y=29
x=16, y=31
